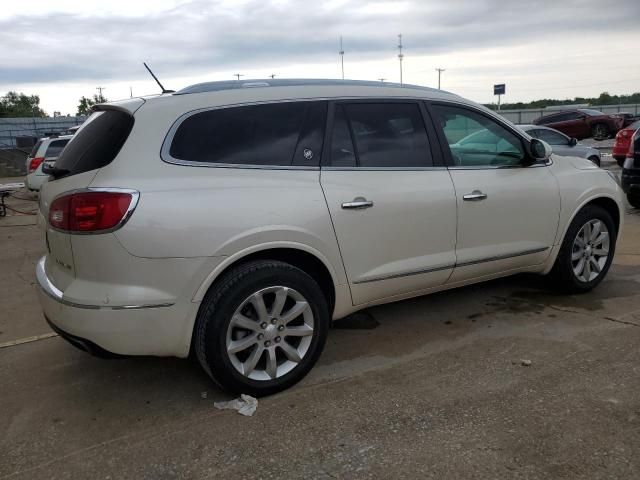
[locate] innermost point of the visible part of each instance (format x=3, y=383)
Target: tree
x=15, y=104
x=84, y=107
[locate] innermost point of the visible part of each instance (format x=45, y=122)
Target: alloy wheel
x=590, y=250
x=270, y=333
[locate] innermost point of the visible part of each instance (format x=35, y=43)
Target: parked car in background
x=630, y=178
x=628, y=118
x=562, y=144
x=237, y=219
x=45, y=150
x=623, y=140
x=583, y=123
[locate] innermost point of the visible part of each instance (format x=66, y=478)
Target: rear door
x=507, y=213
x=391, y=200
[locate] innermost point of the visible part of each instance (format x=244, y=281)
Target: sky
x=64, y=49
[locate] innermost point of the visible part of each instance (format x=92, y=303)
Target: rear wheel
x=261, y=328
x=634, y=199
x=600, y=131
x=586, y=252
x=595, y=160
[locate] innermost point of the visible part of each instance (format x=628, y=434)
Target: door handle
x=475, y=196
x=357, y=204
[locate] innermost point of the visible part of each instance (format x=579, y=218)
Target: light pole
x=400, y=55
x=439, y=70
x=341, y=52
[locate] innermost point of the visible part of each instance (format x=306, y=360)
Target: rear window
x=279, y=134
x=96, y=143
x=55, y=148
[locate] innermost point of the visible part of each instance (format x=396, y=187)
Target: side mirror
x=539, y=149
x=573, y=142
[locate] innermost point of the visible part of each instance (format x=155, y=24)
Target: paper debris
x=245, y=405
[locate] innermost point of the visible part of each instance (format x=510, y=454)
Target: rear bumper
x=160, y=329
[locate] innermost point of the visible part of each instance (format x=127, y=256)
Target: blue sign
x=499, y=89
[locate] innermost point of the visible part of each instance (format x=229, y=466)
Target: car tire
x=580, y=244
x=241, y=330
x=634, y=199
x=600, y=131
x=595, y=160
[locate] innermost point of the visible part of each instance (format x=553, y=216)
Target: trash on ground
x=245, y=405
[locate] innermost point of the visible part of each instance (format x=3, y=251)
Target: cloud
x=200, y=36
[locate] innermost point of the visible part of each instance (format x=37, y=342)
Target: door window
x=552, y=138
x=478, y=141
x=374, y=135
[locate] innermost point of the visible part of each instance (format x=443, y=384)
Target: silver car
x=561, y=144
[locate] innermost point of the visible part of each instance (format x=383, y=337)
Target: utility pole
x=273, y=75
x=130, y=92
x=100, y=90
x=439, y=70
x=400, y=55
x=341, y=52
x=382, y=79
x=238, y=75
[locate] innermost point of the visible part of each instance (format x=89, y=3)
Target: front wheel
x=600, y=131
x=586, y=252
x=634, y=199
x=261, y=328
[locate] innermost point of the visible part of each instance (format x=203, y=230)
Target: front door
x=508, y=213
x=391, y=201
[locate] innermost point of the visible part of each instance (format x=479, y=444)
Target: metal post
x=498, y=102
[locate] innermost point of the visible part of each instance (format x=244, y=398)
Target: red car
x=623, y=138
x=583, y=123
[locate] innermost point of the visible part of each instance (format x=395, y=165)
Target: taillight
x=631, y=152
x=91, y=211
x=35, y=163
x=624, y=133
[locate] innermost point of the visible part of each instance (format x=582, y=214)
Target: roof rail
x=293, y=82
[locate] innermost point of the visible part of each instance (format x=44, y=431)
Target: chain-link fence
x=14, y=129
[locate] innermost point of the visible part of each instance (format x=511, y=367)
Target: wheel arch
x=303, y=257
x=604, y=201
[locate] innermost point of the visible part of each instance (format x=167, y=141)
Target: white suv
x=236, y=220
x=46, y=150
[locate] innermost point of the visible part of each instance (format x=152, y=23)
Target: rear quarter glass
x=96, y=143
x=35, y=148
